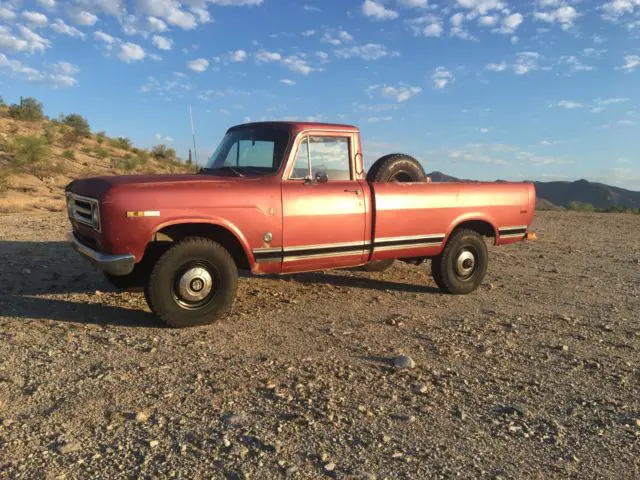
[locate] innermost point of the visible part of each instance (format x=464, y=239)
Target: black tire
x=379, y=265
x=210, y=267
x=396, y=167
x=462, y=265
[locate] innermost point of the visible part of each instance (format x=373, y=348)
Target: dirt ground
x=536, y=375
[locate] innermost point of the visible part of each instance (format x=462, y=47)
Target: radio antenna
x=193, y=133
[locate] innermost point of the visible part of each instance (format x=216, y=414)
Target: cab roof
x=295, y=126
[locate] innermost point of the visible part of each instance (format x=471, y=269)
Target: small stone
x=7, y=422
x=68, y=448
x=142, y=416
x=421, y=389
x=329, y=467
x=637, y=422
x=386, y=439
x=234, y=419
x=458, y=412
x=154, y=443
x=564, y=348
x=26, y=271
x=403, y=362
x=290, y=471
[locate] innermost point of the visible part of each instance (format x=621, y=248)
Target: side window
x=329, y=155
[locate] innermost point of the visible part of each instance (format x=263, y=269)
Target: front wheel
x=461, y=267
x=193, y=283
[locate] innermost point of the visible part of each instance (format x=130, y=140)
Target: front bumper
x=120, y=264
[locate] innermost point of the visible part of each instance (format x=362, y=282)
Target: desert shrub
x=128, y=162
x=581, y=207
x=4, y=181
x=50, y=134
x=78, y=123
x=29, y=109
x=102, y=152
x=69, y=138
x=122, y=143
x=28, y=150
x=163, y=153
x=68, y=154
x=86, y=149
x=143, y=155
x=101, y=137
x=2, y=104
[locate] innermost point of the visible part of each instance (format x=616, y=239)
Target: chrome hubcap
x=195, y=285
x=465, y=263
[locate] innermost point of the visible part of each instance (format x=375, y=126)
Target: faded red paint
x=299, y=215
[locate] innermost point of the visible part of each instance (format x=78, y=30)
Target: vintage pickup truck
x=286, y=197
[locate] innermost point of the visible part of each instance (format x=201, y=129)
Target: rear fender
x=471, y=217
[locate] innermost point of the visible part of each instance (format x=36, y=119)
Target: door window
x=328, y=155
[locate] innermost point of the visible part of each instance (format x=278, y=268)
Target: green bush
x=29, y=109
x=122, y=143
x=78, y=123
x=69, y=154
x=163, y=153
x=128, y=162
x=86, y=149
x=50, y=134
x=101, y=137
x=102, y=152
x=581, y=207
x=69, y=138
x=28, y=150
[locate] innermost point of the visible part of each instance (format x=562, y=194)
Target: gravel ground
x=536, y=375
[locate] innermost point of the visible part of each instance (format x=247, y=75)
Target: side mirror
x=322, y=177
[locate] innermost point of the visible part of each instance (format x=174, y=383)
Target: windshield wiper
x=234, y=170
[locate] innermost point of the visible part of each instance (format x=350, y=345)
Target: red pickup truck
x=286, y=197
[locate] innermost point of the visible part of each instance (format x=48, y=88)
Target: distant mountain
x=553, y=194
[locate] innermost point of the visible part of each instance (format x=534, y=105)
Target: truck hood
x=98, y=187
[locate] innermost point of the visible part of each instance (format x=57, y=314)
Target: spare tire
x=396, y=167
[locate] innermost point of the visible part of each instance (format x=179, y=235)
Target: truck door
x=323, y=206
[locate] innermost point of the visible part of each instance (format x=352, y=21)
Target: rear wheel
x=193, y=283
x=461, y=267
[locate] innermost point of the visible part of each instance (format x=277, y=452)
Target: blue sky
x=484, y=89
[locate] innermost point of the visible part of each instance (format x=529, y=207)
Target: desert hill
x=39, y=156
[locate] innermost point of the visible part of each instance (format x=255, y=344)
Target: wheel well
x=479, y=226
x=224, y=237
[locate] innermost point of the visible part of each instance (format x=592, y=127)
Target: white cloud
x=567, y=104
x=526, y=62
x=171, y=12
x=163, y=138
x=237, y=3
x=400, y=93
x=631, y=63
x=488, y=20
x=58, y=75
x=287, y=82
x=48, y=4
x=198, y=65
x=617, y=8
x=82, y=17
x=298, y=65
x=62, y=28
x=433, y=30
x=131, y=52
x=510, y=24
x=26, y=42
x=378, y=11
x=156, y=24
x=163, y=43
x=481, y=7
x=264, y=56
x=564, y=15
x=415, y=3
x=35, y=19
x=323, y=56
x=457, y=19
x=496, y=67
x=441, y=77
x=238, y=56
x=6, y=13
x=370, y=51
x=104, y=37
x=611, y=101
x=340, y=37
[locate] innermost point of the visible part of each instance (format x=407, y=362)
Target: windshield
x=249, y=152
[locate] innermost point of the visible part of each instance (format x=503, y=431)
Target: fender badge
x=146, y=213
x=268, y=237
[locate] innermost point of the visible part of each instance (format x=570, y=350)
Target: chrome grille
x=83, y=210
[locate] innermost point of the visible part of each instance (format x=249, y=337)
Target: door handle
x=354, y=190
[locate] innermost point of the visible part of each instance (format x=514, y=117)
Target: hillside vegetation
x=39, y=156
